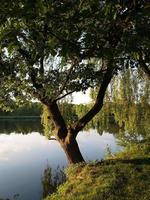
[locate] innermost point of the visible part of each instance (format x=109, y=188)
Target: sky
x=79, y=97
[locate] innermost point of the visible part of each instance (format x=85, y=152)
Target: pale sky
x=79, y=97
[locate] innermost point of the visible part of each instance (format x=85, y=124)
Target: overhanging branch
x=98, y=103
x=63, y=96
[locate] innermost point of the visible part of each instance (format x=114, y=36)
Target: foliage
x=126, y=106
x=103, y=121
x=46, y=122
x=49, y=49
x=130, y=86
x=134, y=126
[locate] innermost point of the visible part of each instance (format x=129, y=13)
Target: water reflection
x=23, y=126
x=51, y=180
x=25, y=157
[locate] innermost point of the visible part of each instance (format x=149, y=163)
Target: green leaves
x=46, y=37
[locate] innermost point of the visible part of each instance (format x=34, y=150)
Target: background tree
x=50, y=49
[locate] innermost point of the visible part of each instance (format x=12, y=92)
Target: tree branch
x=75, y=62
x=41, y=66
x=63, y=96
x=33, y=75
x=98, y=103
x=145, y=68
x=25, y=54
x=63, y=40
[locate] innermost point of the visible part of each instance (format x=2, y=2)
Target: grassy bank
x=115, y=179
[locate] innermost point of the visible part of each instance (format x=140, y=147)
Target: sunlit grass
x=122, y=178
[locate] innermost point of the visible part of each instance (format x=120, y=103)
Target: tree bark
x=71, y=149
x=64, y=135
x=58, y=121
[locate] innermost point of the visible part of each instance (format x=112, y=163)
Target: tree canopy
x=53, y=48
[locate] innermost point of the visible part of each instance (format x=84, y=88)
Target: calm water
x=25, y=153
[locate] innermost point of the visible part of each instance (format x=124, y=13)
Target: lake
x=25, y=154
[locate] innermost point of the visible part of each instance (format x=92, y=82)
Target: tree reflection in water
x=52, y=179
x=23, y=126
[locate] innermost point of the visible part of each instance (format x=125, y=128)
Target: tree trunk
x=64, y=135
x=72, y=151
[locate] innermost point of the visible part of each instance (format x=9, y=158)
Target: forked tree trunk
x=67, y=136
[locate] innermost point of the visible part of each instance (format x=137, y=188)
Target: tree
x=50, y=49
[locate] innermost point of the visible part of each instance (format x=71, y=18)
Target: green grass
x=116, y=179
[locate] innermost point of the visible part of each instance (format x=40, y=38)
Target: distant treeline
x=29, y=110
x=115, y=118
